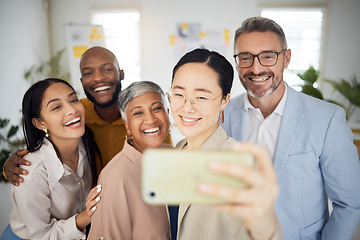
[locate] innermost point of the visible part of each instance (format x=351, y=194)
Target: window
x=122, y=37
x=303, y=31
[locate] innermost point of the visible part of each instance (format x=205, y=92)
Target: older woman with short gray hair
x=122, y=214
x=137, y=89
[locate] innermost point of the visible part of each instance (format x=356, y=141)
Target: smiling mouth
x=73, y=122
x=152, y=131
x=189, y=120
x=259, y=79
x=101, y=89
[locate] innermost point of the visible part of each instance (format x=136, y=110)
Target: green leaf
x=4, y=122
x=28, y=73
x=4, y=154
x=48, y=68
x=310, y=90
x=12, y=131
x=355, y=83
x=349, y=90
x=309, y=76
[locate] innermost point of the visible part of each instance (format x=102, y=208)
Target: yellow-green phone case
x=171, y=176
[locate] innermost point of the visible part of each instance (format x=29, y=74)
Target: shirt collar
x=214, y=141
x=132, y=154
x=279, y=108
x=53, y=164
x=92, y=117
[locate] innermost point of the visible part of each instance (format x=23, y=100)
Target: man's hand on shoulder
x=12, y=167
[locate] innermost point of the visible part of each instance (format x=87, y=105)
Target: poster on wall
x=80, y=37
x=191, y=35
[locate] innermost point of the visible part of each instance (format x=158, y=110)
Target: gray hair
x=137, y=89
x=261, y=24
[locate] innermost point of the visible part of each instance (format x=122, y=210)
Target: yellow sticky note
x=79, y=50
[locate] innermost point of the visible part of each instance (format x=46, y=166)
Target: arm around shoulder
x=12, y=170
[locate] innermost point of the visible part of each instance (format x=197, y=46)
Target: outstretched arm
x=254, y=204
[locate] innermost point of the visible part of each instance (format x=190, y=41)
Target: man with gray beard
x=309, y=140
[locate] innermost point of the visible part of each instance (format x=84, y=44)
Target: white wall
x=24, y=39
x=341, y=46
x=23, y=42
x=159, y=17
x=158, y=21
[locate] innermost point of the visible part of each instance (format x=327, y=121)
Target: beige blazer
x=204, y=221
x=121, y=213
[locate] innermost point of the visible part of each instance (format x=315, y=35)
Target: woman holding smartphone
x=200, y=91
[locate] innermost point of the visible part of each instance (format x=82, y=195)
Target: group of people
x=303, y=149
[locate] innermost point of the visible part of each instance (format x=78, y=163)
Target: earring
x=129, y=138
x=46, y=132
x=222, y=116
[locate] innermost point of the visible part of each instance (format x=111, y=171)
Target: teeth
x=259, y=79
x=152, y=130
x=102, y=88
x=189, y=119
x=72, y=121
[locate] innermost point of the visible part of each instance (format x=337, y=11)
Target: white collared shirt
x=262, y=131
x=52, y=194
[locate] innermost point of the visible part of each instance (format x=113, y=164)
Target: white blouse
x=52, y=194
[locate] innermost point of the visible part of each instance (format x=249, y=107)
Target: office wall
x=159, y=18
x=158, y=21
x=23, y=42
x=341, y=46
x=25, y=39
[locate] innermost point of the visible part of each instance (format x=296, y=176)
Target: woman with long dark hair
x=54, y=200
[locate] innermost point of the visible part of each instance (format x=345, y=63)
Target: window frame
x=123, y=61
x=305, y=7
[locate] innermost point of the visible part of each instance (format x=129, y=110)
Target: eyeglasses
x=199, y=102
x=266, y=59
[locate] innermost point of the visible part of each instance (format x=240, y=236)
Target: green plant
x=309, y=77
x=350, y=90
x=9, y=143
x=46, y=69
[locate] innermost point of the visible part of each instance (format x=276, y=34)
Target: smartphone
x=171, y=176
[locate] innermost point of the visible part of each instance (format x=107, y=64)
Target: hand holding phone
x=172, y=176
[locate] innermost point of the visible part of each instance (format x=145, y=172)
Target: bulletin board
x=189, y=36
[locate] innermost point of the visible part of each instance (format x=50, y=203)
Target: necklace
x=73, y=160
